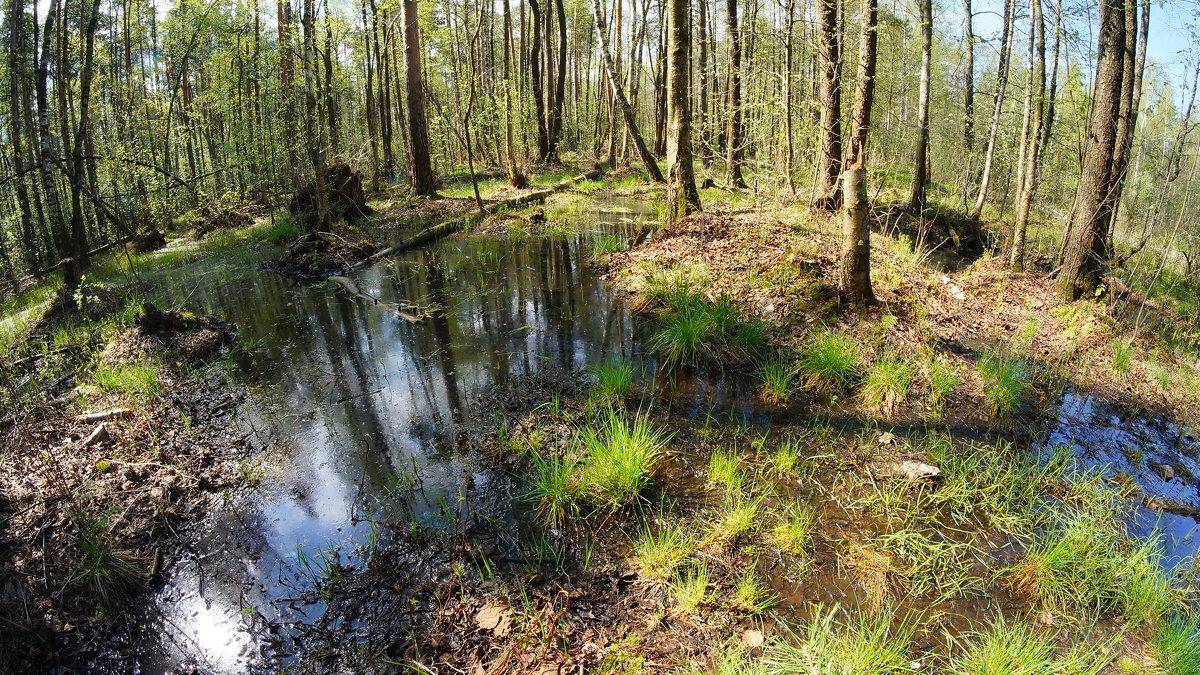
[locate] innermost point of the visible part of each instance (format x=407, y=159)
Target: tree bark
x=921, y=167
x=682, y=196
x=16, y=53
x=62, y=239
x=733, y=130
x=829, y=96
x=1085, y=253
x=419, y=163
x=969, y=96
x=1133, y=65
x=854, y=273
x=614, y=81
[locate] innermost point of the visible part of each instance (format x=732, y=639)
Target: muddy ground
x=96, y=481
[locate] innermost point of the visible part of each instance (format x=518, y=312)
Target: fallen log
x=104, y=415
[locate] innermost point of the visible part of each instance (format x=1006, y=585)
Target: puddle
x=1160, y=457
x=361, y=418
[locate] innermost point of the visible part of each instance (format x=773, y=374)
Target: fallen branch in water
x=449, y=227
x=352, y=289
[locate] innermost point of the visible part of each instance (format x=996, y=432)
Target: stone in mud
x=1164, y=471
x=908, y=469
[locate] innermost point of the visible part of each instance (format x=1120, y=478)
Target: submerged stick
x=352, y=289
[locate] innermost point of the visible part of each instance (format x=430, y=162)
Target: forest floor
x=909, y=504
x=916, y=502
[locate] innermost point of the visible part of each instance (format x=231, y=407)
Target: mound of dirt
x=344, y=190
x=210, y=219
x=322, y=254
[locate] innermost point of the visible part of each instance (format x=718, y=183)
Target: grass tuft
x=868, y=644
x=1005, y=383
x=723, y=470
x=1006, y=648
x=614, y=380
x=829, y=362
x=134, y=378
x=1176, y=644
x=751, y=595
x=555, y=490
x=777, y=374
x=656, y=555
x=619, y=457
x=886, y=385
x=793, y=534
x=691, y=588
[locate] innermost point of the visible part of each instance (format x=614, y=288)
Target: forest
x=752, y=337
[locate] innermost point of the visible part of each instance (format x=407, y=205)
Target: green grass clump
x=868, y=644
x=614, y=380
x=751, y=595
x=691, y=588
x=723, y=470
x=1176, y=644
x=777, y=374
x=783, y=462
x=108, y=573
x=555, y=490
x=886, y=385
x=133, y=378
x=829, y=362
x=284, y=229
x=1122, y=356
x=681, y=339
x=738, y=516
x=1005, y=383
x=656, y=555
x=619, y=456
x=793, y=534
x=606, y=244
x=941, y=379
x=1085, y=563
x=1006, y=649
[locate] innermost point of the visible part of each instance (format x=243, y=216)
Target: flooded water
x=359, y=416
x=359, y=419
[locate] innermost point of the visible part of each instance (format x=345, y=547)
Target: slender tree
x=614, y=82
x=854, y=273
x=921, y=166
x=1033, y=135
x=733, y=129
x=682, y=196
x=997, y=108
x=829, y=96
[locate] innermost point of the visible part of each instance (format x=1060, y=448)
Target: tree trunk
x=706, y=158
x=1033, y=140
x=854, y=273
x=733, y=130
x=968, y=96
x=1133, y=65
x=921, y=167
x=829, y=96
x=516, y=177
x=614, y=81
x=419, y=163
x=997, y=108
x=15, y=74
x=682, y=196
x=538, y=80
x=556, y=109
x=1084, y=256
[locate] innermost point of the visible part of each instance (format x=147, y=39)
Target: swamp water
x=359, y=418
